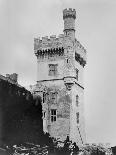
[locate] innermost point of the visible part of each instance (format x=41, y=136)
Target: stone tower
x=60, y=65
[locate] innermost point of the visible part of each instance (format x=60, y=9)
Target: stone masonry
x=60, y=65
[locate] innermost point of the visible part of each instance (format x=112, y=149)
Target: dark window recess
x=77, y=114
x=44, y=97
x=53, y=115
x=77, y=73
x=77, y=100
x=44, y=114
x=53, y=69
x=54, y=97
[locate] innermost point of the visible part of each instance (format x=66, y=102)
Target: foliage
x=114, y=150
x=21, y=115
x=49, y=147
x=95, y=149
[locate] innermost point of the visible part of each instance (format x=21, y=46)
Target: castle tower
x=61, y=62
x=69, y=17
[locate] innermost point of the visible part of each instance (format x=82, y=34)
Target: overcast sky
x=22, y=20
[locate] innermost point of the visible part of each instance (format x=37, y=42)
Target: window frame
x=44, y=97
x=53, y=69
x=54, y=97
x=53, y=116
x=44, y=114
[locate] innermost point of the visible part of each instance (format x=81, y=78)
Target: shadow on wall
x=20, y=115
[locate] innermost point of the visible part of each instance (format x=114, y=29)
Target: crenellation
x=54, y=47
x=45, y=39
x=53, y=37
x=61, y=36
x=49, y=47
x=69, y=13
x=36, y=43
x=48, y=43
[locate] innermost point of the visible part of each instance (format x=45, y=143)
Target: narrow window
x=77, y=100
x=77, y=114
x=77, y=72
x=54, y=97
x=53, y=115
x=44, y=114
x=44, y=97
x=53, y=69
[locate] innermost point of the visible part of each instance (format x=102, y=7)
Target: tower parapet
x=49, y=47
x=54, y=46
x=69, y=13
x=48, y=43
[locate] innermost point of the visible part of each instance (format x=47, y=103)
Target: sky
x=23, y=20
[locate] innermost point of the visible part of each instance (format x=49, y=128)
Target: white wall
x=43, y=70
x=74, y=133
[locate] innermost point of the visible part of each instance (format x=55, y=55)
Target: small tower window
x=77, y=100
x=54, y=97
x=77, y=72
x=44, y=114
x=77, y=115
x=44, y=97
x=53, y=115
x=53, y=69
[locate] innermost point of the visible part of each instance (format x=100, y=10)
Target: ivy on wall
x=20, y=117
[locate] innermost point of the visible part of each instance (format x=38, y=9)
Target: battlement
x=69, y=13
x=53, y=47
x=48, y=43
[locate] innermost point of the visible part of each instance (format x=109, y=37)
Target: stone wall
x=65, y=104
x=77, y=129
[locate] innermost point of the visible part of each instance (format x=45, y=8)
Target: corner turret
x=69, y=16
